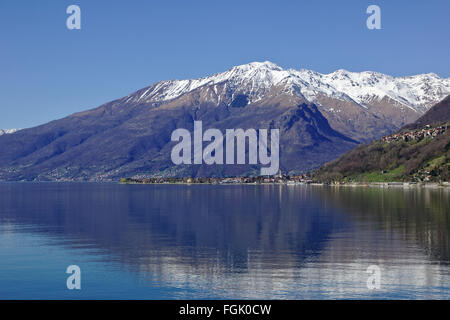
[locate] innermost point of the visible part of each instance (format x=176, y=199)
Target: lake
x=223, y=241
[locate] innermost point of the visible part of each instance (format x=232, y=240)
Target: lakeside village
x=280, y=178
x=420, y=134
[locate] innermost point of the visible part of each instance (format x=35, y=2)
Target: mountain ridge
x=415, y=91
x=130, y=136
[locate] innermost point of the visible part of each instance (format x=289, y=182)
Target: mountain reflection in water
x=225, y=241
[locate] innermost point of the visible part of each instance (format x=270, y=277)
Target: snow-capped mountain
x=256, y=79
x=320, y=116
x=7, y=131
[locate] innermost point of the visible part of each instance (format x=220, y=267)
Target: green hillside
x=425, y=159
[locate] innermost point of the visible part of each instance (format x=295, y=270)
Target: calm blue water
x=232, y=242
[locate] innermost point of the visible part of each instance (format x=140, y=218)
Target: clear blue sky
x=48, y=71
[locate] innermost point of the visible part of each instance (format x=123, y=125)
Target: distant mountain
x=320, y=116
x=418, y=152
x=8, y=131
x=438, y=114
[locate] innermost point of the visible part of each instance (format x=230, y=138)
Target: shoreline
x=392, y=184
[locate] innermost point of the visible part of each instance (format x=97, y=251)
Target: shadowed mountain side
x=439, y=113
x=365, y=124
x=120, y=139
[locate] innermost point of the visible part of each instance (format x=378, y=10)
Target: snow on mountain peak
x=7, y=131
x=259, y=66
x=255, y=79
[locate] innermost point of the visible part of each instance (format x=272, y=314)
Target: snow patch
x=7, y=131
